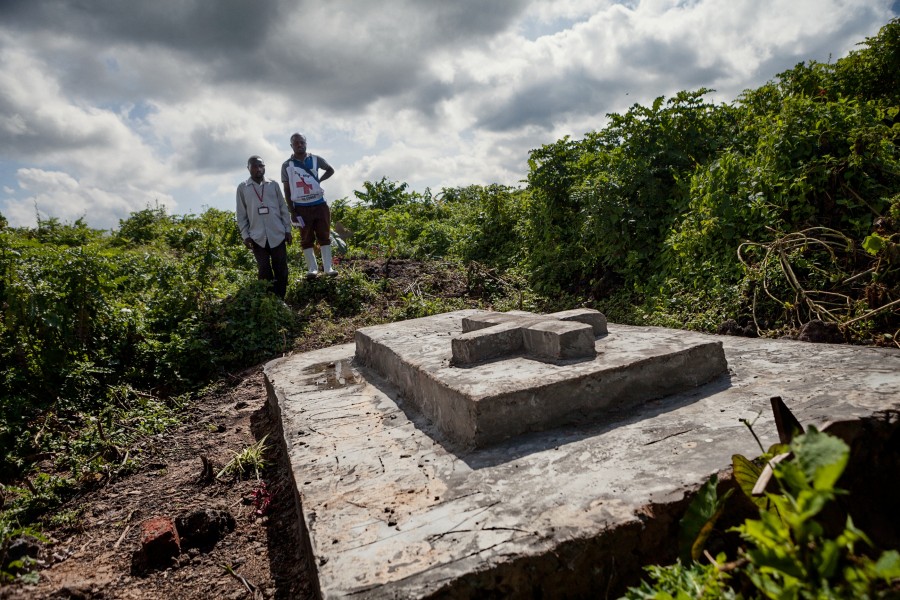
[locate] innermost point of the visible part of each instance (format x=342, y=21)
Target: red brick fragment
x=159, y=541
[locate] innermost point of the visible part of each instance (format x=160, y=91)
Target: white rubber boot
x=312, y=269
x=326, y=261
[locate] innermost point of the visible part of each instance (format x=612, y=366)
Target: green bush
x=345, y=295
x=788, y=552
x=99, y=329
x=606, y=204
x=648, y=215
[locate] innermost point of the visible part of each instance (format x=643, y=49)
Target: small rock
x=203, y=528
x=821, y=332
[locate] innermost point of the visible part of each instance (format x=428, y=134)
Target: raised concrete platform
x=522, y=389
x=392, y=511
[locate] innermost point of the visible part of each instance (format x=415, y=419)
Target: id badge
x=263, y=210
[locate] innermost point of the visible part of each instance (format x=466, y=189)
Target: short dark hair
x=298, y=135
x=254, y=158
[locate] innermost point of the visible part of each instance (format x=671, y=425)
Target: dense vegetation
x=776, y=209
x=771, y=211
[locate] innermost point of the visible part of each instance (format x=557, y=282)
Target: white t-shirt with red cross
x=302, y=178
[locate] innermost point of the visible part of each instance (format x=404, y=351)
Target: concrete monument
x=476, y=454
x=505, y=374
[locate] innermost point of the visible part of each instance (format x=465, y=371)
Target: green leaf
x=767, y=531
x=699, y=520
x=777, y=560
x=829, y=558
x=746, y=474
x=822, y=457
x=792, y=476
x=874, y=244
x=888, y=565
x=778, y=448
x=810, y=503
x=852, y=534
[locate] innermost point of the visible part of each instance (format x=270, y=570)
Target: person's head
x=257, y=168
x=298, y=144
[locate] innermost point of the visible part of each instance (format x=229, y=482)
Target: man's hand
x=288, y=238
x=248, y=242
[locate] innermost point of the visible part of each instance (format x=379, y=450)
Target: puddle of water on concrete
x=334, y=374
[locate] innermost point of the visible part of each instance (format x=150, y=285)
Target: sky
x=109, y=107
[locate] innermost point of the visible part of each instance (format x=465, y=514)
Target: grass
x=248, y=461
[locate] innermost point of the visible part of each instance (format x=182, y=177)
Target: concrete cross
x=561, y=335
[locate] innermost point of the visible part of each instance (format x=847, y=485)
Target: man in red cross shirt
x=306, y=199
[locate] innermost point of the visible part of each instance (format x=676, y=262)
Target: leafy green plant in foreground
x=684, y=582
x=788, y=551
x=790, y=555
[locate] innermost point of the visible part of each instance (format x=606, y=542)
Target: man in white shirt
x=265, y=223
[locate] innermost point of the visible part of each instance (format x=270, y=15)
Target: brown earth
x=261, y=558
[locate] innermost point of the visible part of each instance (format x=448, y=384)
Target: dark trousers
x=272, y=265
x=316, y=225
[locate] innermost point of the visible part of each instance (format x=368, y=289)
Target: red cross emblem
x=301, y=183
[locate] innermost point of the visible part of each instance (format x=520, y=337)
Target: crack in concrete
x=671, y=435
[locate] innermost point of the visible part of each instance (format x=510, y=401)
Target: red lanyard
x=258, y=194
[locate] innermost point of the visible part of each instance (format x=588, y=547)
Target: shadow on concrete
x=581, y=426
x=290, y=554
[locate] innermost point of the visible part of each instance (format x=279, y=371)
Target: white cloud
x=57, y=194
x=115, y=108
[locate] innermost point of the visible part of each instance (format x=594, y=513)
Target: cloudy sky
x=108, y=106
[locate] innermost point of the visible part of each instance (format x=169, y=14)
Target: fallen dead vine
x=820, y=273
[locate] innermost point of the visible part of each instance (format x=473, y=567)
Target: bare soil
x=261, y=558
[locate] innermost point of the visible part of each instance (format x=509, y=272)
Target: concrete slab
x=476, y=405
x=390, y=511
